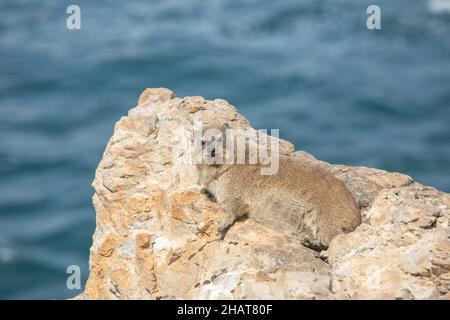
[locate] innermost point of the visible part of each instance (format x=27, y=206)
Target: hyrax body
x=299, y=199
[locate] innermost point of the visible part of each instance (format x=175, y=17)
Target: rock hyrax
x=300, y=199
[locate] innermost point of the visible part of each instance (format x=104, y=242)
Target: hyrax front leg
x=234, y=208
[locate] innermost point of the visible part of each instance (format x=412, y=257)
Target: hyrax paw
x=224, y=226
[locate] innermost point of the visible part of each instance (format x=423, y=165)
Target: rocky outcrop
x=156, y=235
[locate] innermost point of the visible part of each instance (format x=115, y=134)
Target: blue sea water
x=346, y=94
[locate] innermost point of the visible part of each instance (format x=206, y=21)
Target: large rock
x=156, y=234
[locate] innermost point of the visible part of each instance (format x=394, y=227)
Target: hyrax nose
x=213, y=152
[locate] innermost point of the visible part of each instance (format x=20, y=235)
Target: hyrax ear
x=226, y=126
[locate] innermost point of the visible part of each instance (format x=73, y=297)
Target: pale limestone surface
x=156, y=233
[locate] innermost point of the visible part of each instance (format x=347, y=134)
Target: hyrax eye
x=203, y=143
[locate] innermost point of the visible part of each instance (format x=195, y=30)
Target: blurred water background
x=309, y=67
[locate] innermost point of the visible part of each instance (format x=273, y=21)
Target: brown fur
x=300, y=199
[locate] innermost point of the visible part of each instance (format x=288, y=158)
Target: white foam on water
x=6, y=255
x=439, y=6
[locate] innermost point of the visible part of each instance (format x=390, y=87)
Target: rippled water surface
x=311, y=68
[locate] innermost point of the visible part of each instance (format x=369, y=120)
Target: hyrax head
x=213, y=146
x=219, y=145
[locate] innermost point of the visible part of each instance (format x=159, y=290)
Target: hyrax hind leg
x=234, y=208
